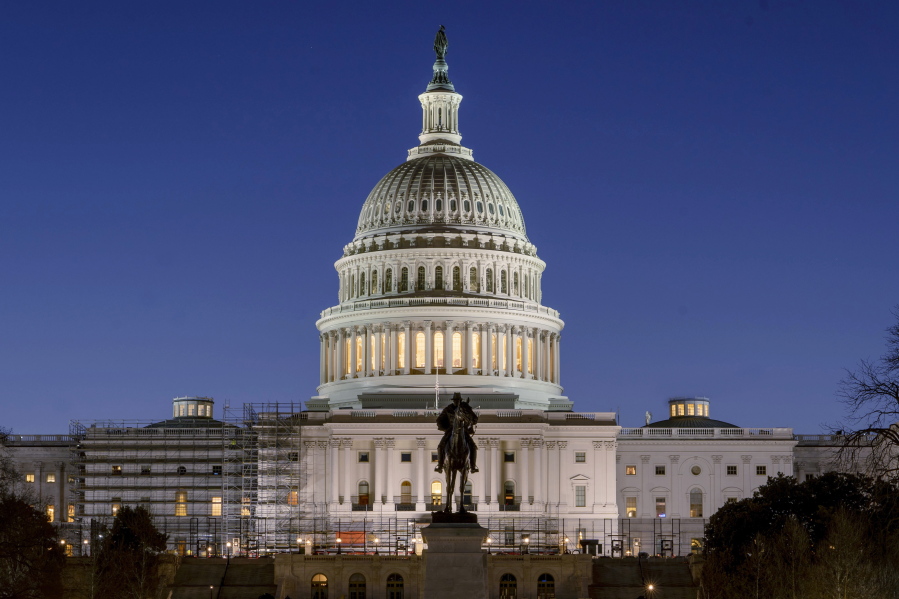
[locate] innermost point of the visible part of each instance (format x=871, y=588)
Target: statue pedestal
x=455, y=565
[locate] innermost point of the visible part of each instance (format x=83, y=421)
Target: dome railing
x=444, y=301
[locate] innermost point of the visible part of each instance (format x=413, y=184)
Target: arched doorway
x=508, y=586
x=357, y=586
x=436, y=493
x=546, y=587
x=319, y=586
x=394, y=586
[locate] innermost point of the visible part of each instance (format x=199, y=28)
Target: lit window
x=457, y=350
x=696, y=546
x=419, y=350
x=190, y=409
x=690, y=409
x=406, y=492
x=761, y=470
x=436, y=493
x=180, y=503
x=406, y=456
x=216, y=506
x=673, y=410
x=363, y=457
x=660, y=471
x=438, y=349
x=116, y=505
x=293, y=498
x=363, y=497
x=70, y=550
x=509, y=457
x=359, y=353
x=244, y=506
x=346, y=356
x=660, y=507
x=401, y=350
x=70, y=512
x=476, y=350
x=630, y=470
x=731, y=470
x=580, y=496
x=51, y=478
x=181, y=410
x=29, y=478
x=530, y=356
x=580, y=457
x=518, y=354
x=696, y=503
x=680, y=409
x=630, y=506
x=117, y=470
x=145, y=469
x=51, y=512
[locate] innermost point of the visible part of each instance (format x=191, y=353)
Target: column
x=601, y=483
x=366, y=351
x=677, y=500
x=377, y=490
x=389, y=467
x=611, y=450
x=448, y=347
x=715, y=487
x=391, y=349
x=353, y=353
x=378, y=353
x=346, y=445
x=488, y=346
x=557, y=355
x=645, y=500
x=747, y=477
x=525, y=471
x=407, y=329
x=552, y=490
x=486, y=366
x=467, y=351
x=539, y=485
x=564, y=488
x=486, y=469
x=341, y=345
x=429, y=347
x=495, y=473
x=421, y=443
x=500, y=355
x=334, y=470
x=510, y=351
x=322, y=352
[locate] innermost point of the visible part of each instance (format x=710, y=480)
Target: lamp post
x=210, y=591
x=228, y=545
x=338, y=545
x=299, y=545
x=377, y=541
x=489, y=543
x=308, y=546
x=527, y=544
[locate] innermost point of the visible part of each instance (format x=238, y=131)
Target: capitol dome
x=441, y=191
x=440, y=286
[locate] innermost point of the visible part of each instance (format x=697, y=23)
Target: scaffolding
x=174, y=468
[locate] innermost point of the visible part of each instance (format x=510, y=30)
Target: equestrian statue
x=457, y=452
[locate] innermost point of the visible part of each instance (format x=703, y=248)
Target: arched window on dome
x=362, y=288
x=518, y=354
x=457, y=279
x=386, y=207
x=491, y=209
x=466, y=206
x=489, y=280
x=515, y=283
x=399, y=206
x=419, y=350
x=352, y=286
x=438, y=277
x=374, y=282
x=420, y=282
x=473, y=283
x=438, y=205
x=401, y=350
x=411, y=207
x=457, y=350
x=359, y=354
x=388, y=281
x=438, y=350
x=424, y=205
x=475, y=350
x=480, y=206
x=404, y=279
x=453, y=206
x=503, y=283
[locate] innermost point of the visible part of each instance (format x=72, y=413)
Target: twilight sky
x=713, y=185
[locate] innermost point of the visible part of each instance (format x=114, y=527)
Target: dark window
x=216, y=471
x=660, y=471
x=293, y=456
x=404, y=279
x=421, y=278
x=761, y=470
x=434, y=457
x=457, y=279
x=466, y=206
x=363, y=457
x=357, y=586
x=406, y=456
x=546, y=587
x=438, y=277
x=508, y=586
x=508, y=456
x=580, y=457
x=438, y=205
x=731, y=470
x=182, y=470
x=394, y=586
x=388, y=281
x=145, y=469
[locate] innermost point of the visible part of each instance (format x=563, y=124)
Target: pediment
x=579, y=478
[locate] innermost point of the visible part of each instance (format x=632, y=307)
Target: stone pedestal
x=455, y=565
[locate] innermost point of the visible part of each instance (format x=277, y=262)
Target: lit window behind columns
x=419, y=350
x=476, y=350
x=438, y=349
x=457, y=350
x=401, y=350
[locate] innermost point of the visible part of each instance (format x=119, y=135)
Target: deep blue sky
x=713, y=186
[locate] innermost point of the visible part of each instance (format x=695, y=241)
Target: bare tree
x=871, y=395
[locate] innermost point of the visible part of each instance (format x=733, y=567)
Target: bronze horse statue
x=457, y=461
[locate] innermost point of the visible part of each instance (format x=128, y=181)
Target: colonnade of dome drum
x=440, y=347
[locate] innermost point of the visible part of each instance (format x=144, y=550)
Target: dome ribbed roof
x=690, y=422
x=440, y=191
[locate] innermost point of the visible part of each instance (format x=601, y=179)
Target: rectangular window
x=216, y=471
x=116, y=505
x=116, y=470
x=630, y=470
x=434, y=457
x=761, y=470
x=731, y=500
x=29, y=478
x=660, y=471
x=215, y=507
x=509, y=457
x=244, y=506
x=660, y=507
x=406, y=456
x=731, y=470
x=180, y=503
x=51, y=478
x=293, y=456
x=580, y=457
x=145, y=469
x=70, y=513
x=630, y=506
x=363, y=457
x=580, y=496
x=689, y=409
x=293, y=498
x=809, y=476
x=51, y=512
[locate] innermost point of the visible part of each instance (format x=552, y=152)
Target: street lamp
x=299, y=544
x=489, y=542
x=210, y=591
x=228, y=545
x=377, y=541
x=209, y=553
x=338, y=545
x=527, y=544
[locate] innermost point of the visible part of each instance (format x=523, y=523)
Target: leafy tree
x=31, y=558
x=871, y=395
x=128, y=559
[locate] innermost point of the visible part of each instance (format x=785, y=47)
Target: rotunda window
x=518, y=354
x=374, y=282
x=501, y=213
x=476, y=350
x=491, y=209
x=489, y=280
x=480, y=207
x=399, y=206
x=473, y=279
x=515, y=283
x=388, y=280
x=438, y=205
x=466, y=206
x=420, y=283
x=457, y=279
x=453, y=206
x=362, y=283
x=401, y=350
x=438, y=277
x=424, y=205
x=503, y=283
x=419, y=350
x=404, y=279
x=457, y=350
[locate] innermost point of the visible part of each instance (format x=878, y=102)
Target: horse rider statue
x=445, y=424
